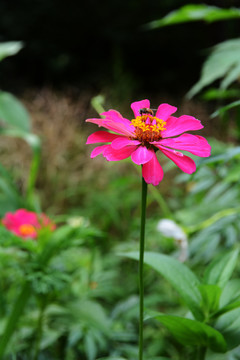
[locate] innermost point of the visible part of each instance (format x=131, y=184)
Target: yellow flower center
x=148, y=128
x=27, y=230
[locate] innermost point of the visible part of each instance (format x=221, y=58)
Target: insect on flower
x=146, y=111
x=145, y=135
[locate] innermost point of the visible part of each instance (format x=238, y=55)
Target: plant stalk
x=140, y=270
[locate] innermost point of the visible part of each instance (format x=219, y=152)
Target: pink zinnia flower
x=143, y=136
x=26, y=224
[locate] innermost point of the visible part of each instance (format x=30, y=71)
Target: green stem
x=140, y=271
x=34, y=167
x=14, y=316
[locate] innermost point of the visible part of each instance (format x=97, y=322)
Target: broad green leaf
x=50, y=337
x=223, y=62
x=231, y=76
x=195, y=12
x=230, y=298
x=13, y=113
x=10, y=48
x=210, y=296
x=229, y=325
x=221, y=269
x=179, y=276
x=226, y=309
x=192, y=332
x=90, y=346
x=231, y=292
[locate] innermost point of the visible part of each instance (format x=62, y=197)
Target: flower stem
x=140, y=270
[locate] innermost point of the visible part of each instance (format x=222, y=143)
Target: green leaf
x=13, y=113
x=195, y=12
x=192, y=332
x=229, y=325
x=220, y=270
x=223, y=109
x=223, y=62
x=90, y=347
x=231, y=292
x=31, y=139
x=226, y=309
x=230, y=298
x=179, y=276
x=210, y=295
x=10, y=48
x=216, y=93
x=231, y=76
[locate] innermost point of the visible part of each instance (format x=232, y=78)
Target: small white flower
x=77, y=221
x=170, y=229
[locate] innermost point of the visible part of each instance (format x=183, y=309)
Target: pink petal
x=114, y=155
x=184, y=162
x=176, y=126
x=99, y=150
x=195, y=144
x=142, y=155
x=101, y=136
x=113, y=115
x=152, y=171
x=137, y=105
x=121, y=142
x=164, y=111
x=112, y=125
x=117, y=117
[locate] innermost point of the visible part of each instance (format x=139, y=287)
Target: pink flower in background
x=144, y=135
x=26, y=224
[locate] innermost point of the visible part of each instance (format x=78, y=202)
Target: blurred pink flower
x=143, y=136
x=26, y=224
